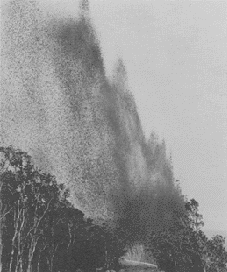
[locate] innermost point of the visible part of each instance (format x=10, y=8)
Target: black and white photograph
x=113, y=136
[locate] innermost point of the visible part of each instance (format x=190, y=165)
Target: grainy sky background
x=175, y=54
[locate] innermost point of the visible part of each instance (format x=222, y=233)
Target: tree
x=215, y=255
x=176, y=250
x=28, y=199
x=181, y=245
x=195, y=219
x=41, y=230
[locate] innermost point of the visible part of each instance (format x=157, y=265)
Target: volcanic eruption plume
x=58, y=105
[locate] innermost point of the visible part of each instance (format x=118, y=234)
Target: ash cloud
x=58, y=105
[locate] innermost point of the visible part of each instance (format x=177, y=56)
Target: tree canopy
x=41, y=230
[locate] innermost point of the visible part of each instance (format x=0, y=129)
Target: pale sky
x=176, y=58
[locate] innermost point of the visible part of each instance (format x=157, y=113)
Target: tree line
x=42, y=231
x=184, y=247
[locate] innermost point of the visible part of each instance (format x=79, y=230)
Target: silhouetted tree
x=181, y=245
x=41, y=230
x=195, y=219
x=216, y=255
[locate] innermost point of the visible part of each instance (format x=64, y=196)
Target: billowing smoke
x=58, y=105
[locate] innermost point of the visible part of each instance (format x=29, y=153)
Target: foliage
x=176, y=250
x=195, y=219
x=216, y=255
x=184, y=246
x=41, y=230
